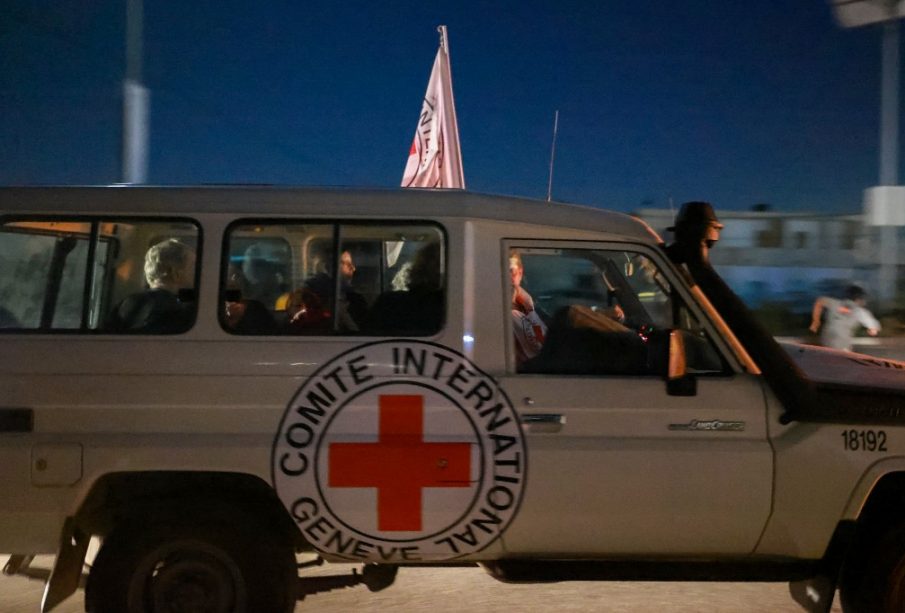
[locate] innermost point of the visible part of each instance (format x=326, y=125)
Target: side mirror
x=678, y=381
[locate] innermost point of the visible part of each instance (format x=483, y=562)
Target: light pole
x=889, y=159
x=885, y=204
x=135, y=101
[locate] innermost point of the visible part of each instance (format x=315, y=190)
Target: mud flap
x=815, y=595
x=67, y=568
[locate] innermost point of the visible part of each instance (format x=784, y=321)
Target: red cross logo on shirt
x=400, y=464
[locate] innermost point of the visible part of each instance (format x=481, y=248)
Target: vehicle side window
x=372, y=279
x=596, y=312
x=102, y=275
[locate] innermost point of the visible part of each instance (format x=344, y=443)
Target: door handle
x=17, y=420
x=544, y=418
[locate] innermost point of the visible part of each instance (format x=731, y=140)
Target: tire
x=873, y=574
x=203, y=566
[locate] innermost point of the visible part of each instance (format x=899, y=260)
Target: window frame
x=665, y=267
x=337, y=226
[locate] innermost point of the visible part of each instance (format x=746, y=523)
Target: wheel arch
x=876, y=548
x=878, y=493
x=883, y=504
x=129, y=496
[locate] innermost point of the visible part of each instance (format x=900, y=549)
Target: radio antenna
x=552, y=156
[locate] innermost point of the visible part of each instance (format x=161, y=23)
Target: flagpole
x=552, y=156
x=453, y=120
x=443, y=45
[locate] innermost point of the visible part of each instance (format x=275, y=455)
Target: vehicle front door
x=617, y=465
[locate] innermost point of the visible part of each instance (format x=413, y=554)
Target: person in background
x=842, y=317
x=162, y=308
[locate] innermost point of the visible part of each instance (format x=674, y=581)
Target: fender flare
x=868, y=482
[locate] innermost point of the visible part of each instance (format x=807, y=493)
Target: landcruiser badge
x=700, y=425
x=400, y=451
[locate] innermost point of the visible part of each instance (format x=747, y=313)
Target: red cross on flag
x=435, y=159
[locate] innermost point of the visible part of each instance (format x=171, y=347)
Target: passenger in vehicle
x=401, y=277
x=263, y=281
x=425, y=275
x=244, y=316
x=582, y=341
x=307, y=312
x=309, y=306
x=353, y=308
x=527, y=326
x=168, y=305
x=576, y=339
x=418, y=309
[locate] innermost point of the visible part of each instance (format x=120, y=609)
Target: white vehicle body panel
x=616, y=478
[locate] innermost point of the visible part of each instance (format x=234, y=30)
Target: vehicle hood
x=836, y=367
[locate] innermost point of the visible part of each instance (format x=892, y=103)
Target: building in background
x=780, y=262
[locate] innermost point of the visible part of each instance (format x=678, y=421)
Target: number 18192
x=864, y=440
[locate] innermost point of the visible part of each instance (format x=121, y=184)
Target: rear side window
x=98, y=275
x=371, y=279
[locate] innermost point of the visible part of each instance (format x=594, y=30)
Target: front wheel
x=192, y=567
x=873, y=575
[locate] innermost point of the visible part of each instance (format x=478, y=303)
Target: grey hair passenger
x=169, y=265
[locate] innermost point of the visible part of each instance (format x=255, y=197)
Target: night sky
x=739, y=103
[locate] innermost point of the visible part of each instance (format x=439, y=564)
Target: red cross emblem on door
x=400, y=464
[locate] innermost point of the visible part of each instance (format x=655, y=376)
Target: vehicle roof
x=269, y=201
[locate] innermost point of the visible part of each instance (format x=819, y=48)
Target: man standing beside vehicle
x=842, y=318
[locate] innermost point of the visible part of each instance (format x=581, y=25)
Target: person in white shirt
x=842, y=317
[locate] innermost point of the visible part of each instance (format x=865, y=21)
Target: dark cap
x=695, y=214
x=855, y=292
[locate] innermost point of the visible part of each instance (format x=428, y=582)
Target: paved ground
x=450, y=590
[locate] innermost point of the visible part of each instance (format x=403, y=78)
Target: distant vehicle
x=212, y=381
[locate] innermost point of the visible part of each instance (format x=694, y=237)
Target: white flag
x=435, y=159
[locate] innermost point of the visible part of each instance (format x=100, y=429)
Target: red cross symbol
x=400, y=463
